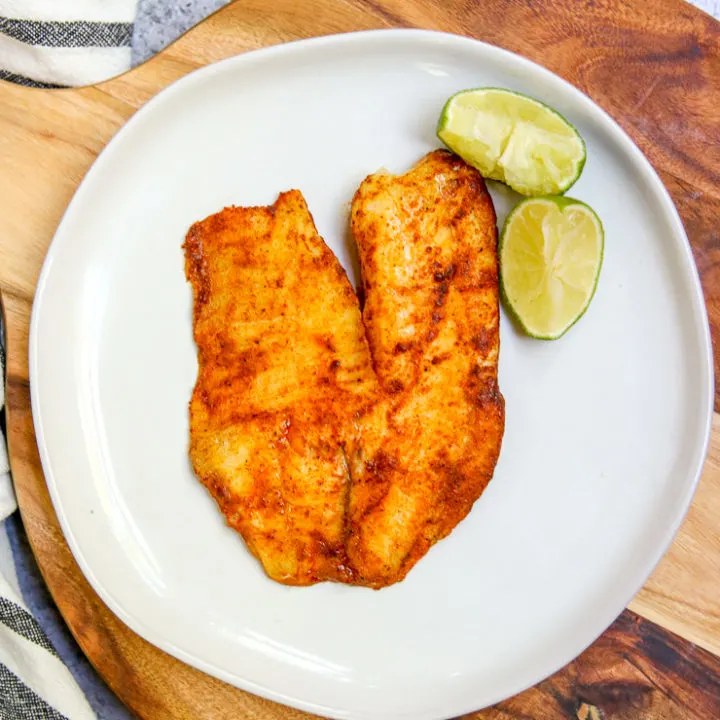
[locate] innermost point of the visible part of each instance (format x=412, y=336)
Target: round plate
x=606, y=428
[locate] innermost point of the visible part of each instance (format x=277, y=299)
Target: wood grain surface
x=635, y=670
x=653, y=64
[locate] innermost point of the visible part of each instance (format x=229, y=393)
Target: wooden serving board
x=654, y=65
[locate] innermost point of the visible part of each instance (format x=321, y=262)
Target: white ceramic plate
x=606, y=428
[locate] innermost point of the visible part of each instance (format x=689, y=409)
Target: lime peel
x=513, y=138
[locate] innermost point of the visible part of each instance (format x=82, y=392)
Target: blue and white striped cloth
x=59, y=44
x=43, y=673
x=67, y=43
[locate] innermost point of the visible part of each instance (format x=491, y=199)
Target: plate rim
x=696, y=301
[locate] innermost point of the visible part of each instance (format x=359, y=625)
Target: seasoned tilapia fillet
x=428, y=250
x=284, y=370
x=342, y=446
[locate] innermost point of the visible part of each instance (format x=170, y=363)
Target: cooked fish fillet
x=337, y=458
x=428, y=250
x=284, y=369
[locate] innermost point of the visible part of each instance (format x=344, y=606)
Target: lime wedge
x=551, y=251
x=513, y=138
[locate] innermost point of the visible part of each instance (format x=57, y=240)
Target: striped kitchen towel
x=64, y=43
x=34, y=681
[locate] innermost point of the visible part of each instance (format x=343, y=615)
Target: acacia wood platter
x=654, y=65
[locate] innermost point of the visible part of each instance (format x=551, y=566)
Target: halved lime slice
x=551, y=252
x=513, y=138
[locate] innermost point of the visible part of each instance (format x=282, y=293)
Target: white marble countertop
x=159, y=22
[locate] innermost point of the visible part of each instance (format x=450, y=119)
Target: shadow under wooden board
x=653, y=64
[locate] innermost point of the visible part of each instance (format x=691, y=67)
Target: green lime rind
x=561, y=202
x=458, y=144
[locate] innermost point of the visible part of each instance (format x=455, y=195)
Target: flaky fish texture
x=284, y=372
x=428, y=252
x=342, y=445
